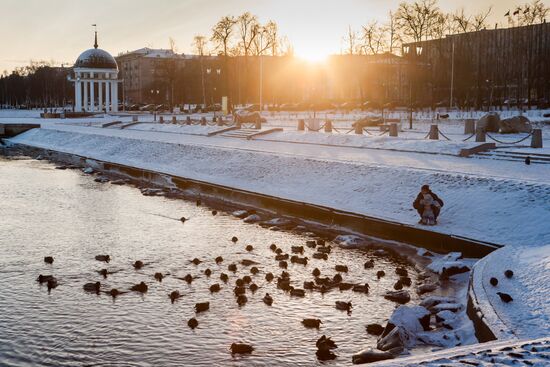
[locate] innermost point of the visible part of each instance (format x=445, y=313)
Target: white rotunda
x=95, y=78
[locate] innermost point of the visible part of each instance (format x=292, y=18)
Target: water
x=67, y=215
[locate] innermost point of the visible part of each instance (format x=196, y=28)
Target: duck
x=247, y=262
x=284, y=285
x=238, y=290
x=183, y=219
x=345, y=286
x=234, y=239
x=215, y=288
x=311, y=243
x=380, y=274
x=174, y=295
x=401, y=271
x=296, y=292
x=249, y=248
x=283, y=264
x=202, y=306
x=159, y=276
x=398, y=285
x=224, y=278
x=104, y=258
x=362, y=288
x=369, y=264
x=406, y=281
x=278, y=251
x=493, y=281
x=285, y=275
x=239, y=282
x=268, y=300
x=273, y=247
x=232, y=267
x=214, y=212
x=344, y=306
x=269, y=277
x=324, y=249
x=48, y=260
x=281, y=257
x=327, y=342
x=375, y=329
x=297, y=249
x=309, y=285
x=105, y=272
x=208, y=272
x=320, y=256
x=316, y=272
x=141, y=287
x=312, y=323
x=192, y=323
x=298, y=260
x=92, y=287
x=115, y=292
x=247, y=279
x=324, y=352
x=241, y=348
x=253, y=287
x=505, y=297
x=254, y=270
x=52, y=283
x=44, y=278
x=341, y=268
x=337, y=278
x=219, y=259
x=188, y=278
x=138, y=264
x=241, y=299
x=508, y=273
x=320, y=242
x=196, y=261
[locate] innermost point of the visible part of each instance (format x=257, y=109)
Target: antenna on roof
x=95, y=30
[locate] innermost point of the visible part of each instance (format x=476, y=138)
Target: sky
x=59, y=30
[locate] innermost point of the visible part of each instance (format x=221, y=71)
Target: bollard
x=301, y=125
x=174, y=121
x=536, y=138
x=188, y=120
x=480, y=135
x=258, y=124
x=214, y=119
x=469, y=126
x=358, y=129
x=328, y=126
x=238, y=123
x=393, y=129
x=203, y=121
x=154, y=116
x=434, y=132
x=220, y=121
x=161, y=119
x=134, y=119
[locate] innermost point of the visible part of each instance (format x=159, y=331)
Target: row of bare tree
x=422, y=20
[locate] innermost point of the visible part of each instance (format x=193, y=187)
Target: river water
x=65, y=214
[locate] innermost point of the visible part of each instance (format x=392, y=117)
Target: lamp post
x=412, y=52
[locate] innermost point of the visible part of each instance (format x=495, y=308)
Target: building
x=491, y=67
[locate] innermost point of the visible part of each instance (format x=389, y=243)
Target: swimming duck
x=369, y=264
x=249, y=248
x=234, y=239
x=239, y=282
x=406, y=281
x=273, y=247
x=312, y=323
x=269, y=277
x=138, y=264
x=238, y=290
x=104, y=258
x=241, y=299
x=192, y=323
x=202, y=306
x=44, y=278
x=337, y=278
x=214, y=212
x=309, y=285
x=247, y=279
x=296, y=292
x=283, y=264
x=174, y=295
x=398, y=285
x=219, y=259
x=196, y=261
x=281, y=257
x=254, y=270
x=159, y=276
x=232, y=267
x=241, y=348
x=141, y=287
x=299, y=260
x=48, y=260
x=224, y=278
x=345, y=286
x=341, y=268
x=361, y=288
x=508, y=273
x=278, y=251
x=246, y=262
x=320, y=256
x=92, y=287
x=401, y=271
x=297, y=249
x=215, y=288
x=253, y=287
x=311, y=243
x=505, y=297
x=208, y=272
x=344, y=306
x=380, y=274
x=493, y=282
x=268, y=300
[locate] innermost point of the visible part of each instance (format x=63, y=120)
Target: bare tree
x=285, y=47
x=200, y=44
x=172, y=44
x=248, y=28
x=393, y=36
x=373, y=37
x=351, y=42
x=417, y=20
x=534, y=12
x=479, y=21
x=222, y=32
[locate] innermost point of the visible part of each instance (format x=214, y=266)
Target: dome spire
x=95, y=43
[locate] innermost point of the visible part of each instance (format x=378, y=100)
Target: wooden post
x=480, y=135
x=469, y=126
x=258, y=124
x=154, y=116
x=214, y=119
x=220, y=121
x=161, y=119
x=203, y=121
x=134, y=118
x=301, y=125
x=188, y=120
x=174, y=121
x=358, y=129
x=536, y=138
x=328, y=126
x=393, y=129
x=434, y=132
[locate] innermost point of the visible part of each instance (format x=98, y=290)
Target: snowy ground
x=496, y=201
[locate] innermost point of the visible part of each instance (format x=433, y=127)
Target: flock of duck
x=245, y=286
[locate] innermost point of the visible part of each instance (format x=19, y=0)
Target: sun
x=314, y=55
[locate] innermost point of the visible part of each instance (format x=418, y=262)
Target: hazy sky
x=60, y=29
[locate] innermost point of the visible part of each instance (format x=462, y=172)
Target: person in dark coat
x=418, y=204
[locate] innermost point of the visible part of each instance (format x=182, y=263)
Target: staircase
x=515, y=156
x=240, y=133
